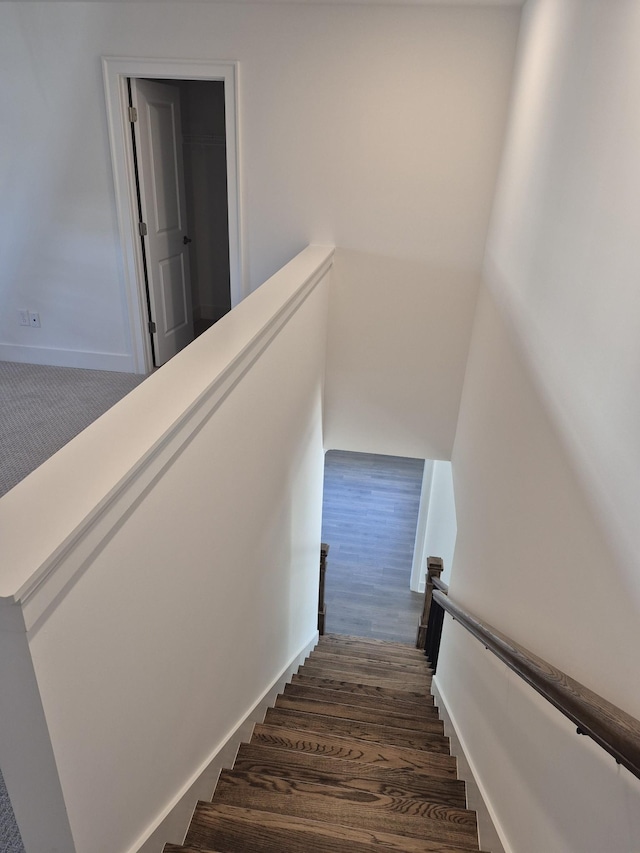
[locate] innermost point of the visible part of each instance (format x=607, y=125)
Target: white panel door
x=158, y=135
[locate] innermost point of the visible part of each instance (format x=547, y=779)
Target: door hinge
x=142, y=227
x=152, y=327
x=133, y=114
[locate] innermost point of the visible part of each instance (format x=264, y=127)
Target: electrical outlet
x=24, y=318
x=34, y=320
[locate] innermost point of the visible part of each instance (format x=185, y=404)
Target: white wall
x=397, y=347
x=437, y=528
x=440, y=535
x=160, y=604
x=376, y=129
x=418, y=566
x=546, y=453
x=563, y=255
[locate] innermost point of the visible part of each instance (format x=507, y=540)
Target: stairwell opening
x=370, y=515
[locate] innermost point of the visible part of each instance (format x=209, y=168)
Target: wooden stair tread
x=340, y=727
x=425, y=706
x=419, y=687
x=243, y=830
x=341, y=682
x=350, y=639
x=402, y=816
x=352, y=749
x=427, y=721
x=386, y=671
x=400, y=664
x=368, y=651
x=351, y=774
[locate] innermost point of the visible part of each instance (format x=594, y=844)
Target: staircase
x=352, y=759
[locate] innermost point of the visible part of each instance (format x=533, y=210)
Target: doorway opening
x=172, y=130
x=369, y=519
x=179, y=156
x=381, y=517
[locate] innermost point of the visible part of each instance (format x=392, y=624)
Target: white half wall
x=175, y=575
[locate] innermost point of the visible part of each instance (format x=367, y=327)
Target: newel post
x=322, y=609
x=434, y=570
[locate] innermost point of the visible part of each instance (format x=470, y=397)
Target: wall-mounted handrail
x=612, y=728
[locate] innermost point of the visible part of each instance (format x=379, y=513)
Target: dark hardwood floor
x=369, y=518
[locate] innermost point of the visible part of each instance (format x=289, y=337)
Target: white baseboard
x=489, y=833
x=118, y=362
x=173, y=826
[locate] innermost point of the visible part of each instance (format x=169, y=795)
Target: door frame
x=115, y=71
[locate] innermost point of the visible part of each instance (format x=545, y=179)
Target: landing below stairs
x=351, y=759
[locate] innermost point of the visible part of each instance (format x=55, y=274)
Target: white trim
x=490, y=832
x=171, y=825
x=419, y=566
x=86, y=359
x=56, y=575
x=116, y=70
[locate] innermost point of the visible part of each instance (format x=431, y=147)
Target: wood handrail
x=441, y=585
x=612, y=728
x=322, y=607
x=434, y=570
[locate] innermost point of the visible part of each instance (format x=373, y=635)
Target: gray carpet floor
x=369, y=518
x=41, y=409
